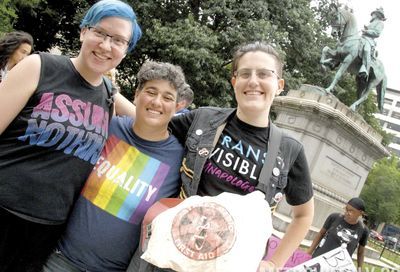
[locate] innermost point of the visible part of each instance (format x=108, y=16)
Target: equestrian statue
x=357, y=54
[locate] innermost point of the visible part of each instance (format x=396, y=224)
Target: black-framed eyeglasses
x=117, y=41
x=262, y=73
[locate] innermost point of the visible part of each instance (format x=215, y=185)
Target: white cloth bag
x=228, y=232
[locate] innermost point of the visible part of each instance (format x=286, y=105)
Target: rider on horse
x=369, y=34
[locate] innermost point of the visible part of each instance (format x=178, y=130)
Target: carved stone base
x=340, y=146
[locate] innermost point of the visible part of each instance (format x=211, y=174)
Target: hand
x=267, y=266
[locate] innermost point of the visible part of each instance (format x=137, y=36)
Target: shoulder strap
x=218, y=133
x=269, y=163
x=110, y=94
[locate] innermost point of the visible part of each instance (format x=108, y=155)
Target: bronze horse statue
x=348, y=56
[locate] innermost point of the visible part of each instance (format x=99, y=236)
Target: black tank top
x=49, y=149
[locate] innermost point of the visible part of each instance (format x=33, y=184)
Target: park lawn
x=387, y=254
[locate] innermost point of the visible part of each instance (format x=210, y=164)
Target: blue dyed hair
x=113, y=8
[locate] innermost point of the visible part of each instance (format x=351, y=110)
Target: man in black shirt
x=341, y=229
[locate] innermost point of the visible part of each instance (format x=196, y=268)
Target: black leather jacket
x=197, y=131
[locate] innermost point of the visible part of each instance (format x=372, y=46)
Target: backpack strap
x=189, y=172
x=334, y=224
x=217, y=134
x=110, y=94
x=269, y=162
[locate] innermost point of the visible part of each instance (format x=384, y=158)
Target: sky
x=388, y=44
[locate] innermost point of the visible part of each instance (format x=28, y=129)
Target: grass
x=372, y=268
x=390, y=255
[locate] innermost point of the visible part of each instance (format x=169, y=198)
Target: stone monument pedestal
x=340, y=147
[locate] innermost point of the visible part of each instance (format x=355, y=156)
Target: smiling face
x=100, y=54
x=155, y=106
x=255, y=92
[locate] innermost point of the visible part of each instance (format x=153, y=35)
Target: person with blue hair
x=54, y=118
x=113, y=8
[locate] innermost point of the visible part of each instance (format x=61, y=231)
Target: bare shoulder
x=32, y=61
x=24, y=77
x=19, y=85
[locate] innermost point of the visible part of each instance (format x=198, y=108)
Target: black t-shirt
x=339, y=232
x=237, y=159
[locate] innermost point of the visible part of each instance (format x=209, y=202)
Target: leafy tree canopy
x=381, y=191
x=9, y=10
x=200, y=36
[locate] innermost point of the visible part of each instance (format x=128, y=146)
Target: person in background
x=14, y=46
x=346, y=228
x=184, y=100
x=112, y=75
x=256, y=80
x=138, y=165
x=113, y=85
x=54, y=117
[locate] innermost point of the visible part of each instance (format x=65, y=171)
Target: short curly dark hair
x=10, y=42
x=186, y=94
x=152, y=70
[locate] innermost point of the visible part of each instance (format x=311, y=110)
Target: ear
x=281, y=85
x=82, y=34
x=177, y=107
x=137, y=93
x=233, y=81
x=180, y=105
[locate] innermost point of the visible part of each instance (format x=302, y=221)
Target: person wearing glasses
x=347, y=228
x=235, y=162
x=54, y=120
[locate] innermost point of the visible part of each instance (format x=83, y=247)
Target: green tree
x=51, y=23
x=381, y=191
x=7, y=14
x=9, y=10
x=200, y=35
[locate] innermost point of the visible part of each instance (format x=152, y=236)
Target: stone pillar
x=340, y=146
